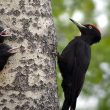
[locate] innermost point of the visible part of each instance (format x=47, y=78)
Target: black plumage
x=5, y=52
x=74, y=61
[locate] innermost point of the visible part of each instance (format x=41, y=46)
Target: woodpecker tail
x=66, y=105
x=67, y=95
x=73, y=104
x=70, y=98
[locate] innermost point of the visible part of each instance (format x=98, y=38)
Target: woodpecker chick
x=74, y=61
x=5, y=52
x=4, y=33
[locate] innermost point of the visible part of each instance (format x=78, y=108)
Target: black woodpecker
x=5, y=52
x=74, y=61
x=4, y=33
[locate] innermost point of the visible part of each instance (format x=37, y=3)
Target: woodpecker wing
x=73, y=64
x=65, y=60
x=76, y=59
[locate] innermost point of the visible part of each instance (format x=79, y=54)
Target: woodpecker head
x=5, y=52
x=4, y=33
x=88, y=32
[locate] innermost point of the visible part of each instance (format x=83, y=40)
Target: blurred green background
x=96, y=91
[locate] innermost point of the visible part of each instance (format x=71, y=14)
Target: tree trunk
x=28, y=81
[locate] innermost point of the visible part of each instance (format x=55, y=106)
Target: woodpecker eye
x=90, y=27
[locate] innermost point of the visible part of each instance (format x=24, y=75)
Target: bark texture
x=28, y=81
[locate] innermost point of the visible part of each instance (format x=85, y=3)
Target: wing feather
x=73, y=64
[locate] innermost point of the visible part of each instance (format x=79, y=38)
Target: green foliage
x=100, y=53
x=95, y=76
x=104, y=103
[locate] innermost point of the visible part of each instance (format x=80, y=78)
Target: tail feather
x=69, y=106
x=66, y=105
x=70, y=99
x=67, y=95
x=73, y=105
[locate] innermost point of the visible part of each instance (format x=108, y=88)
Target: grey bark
x=28, y=81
